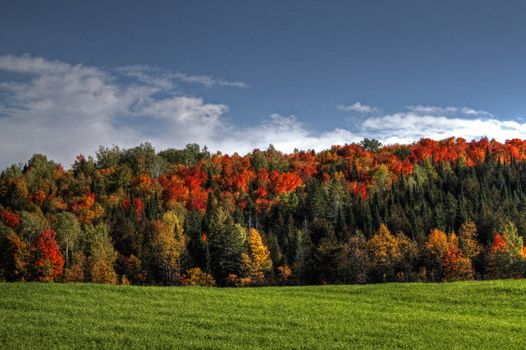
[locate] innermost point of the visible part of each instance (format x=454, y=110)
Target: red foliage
x=262, y=201
x=139, y=206
x=194, y=179
x=10, y=219
x=48, y=260
x=261, y=192
x=498, y=244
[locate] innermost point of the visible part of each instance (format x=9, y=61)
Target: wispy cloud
x=357, y=107
x=445, y=111
x=165, y=78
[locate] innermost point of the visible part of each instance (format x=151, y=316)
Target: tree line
x=358, y=213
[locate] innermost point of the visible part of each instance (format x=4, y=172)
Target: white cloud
x=405, y=127
x=63, y=110
x=357, y=107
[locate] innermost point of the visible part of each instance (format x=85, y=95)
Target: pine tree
x=226, y=246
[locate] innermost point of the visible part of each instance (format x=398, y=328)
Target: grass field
x=489, y=315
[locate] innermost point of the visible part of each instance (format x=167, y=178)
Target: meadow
x=483, y=315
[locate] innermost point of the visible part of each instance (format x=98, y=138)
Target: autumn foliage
x=354, y=213
x=48, y=263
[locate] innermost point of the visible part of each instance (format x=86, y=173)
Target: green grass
x=489, y=315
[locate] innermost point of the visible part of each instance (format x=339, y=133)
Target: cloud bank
x=63, y=110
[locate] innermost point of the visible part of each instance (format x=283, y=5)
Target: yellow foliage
x=102, y=272
x=259, y=252
x=196, y=277
x=169, y=247
x=437, y=243
x=468, y=242
x=257, y=262
x=384, y=248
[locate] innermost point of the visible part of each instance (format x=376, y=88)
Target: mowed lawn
x=490, y=315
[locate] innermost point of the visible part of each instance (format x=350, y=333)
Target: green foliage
x=226, y=244
x=189, y=156
x=32, y=223
x=371, y=145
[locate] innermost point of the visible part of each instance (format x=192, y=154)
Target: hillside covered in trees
x=430, y=211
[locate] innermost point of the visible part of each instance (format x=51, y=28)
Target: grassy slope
x=454, y=315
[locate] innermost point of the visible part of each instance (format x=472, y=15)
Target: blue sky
x=239, y=74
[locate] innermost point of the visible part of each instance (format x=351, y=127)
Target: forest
x=357, y=213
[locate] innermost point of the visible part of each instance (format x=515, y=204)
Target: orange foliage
x=174, y=189
x=359, y=188
x=285, y=182
x=39, y=196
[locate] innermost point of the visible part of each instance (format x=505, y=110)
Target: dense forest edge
x=358, y=213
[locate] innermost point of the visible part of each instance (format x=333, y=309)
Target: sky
x=239, y=75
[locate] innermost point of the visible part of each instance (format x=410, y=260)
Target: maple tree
x=48, y=262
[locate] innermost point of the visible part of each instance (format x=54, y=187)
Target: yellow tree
x=257, y=261
x=434, y=250
x=385, y=254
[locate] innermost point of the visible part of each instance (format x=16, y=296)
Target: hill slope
x=453, y=315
